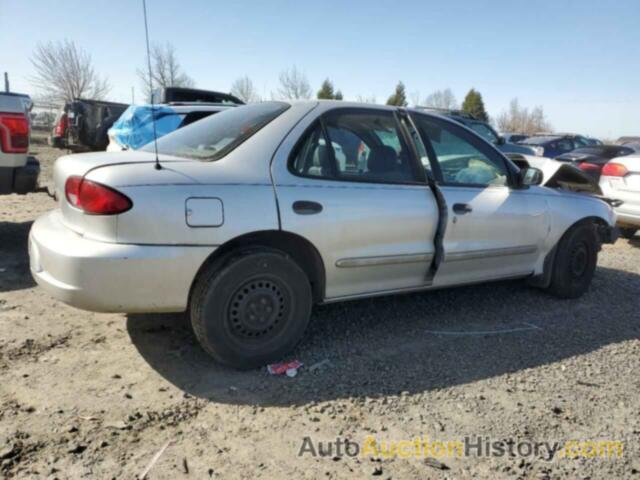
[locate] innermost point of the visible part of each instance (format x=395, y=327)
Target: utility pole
x=6, y=82
x=133, y=96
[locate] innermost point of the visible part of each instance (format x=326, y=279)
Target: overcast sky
x=580, y=60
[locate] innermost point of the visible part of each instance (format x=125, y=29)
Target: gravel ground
x=86, y=395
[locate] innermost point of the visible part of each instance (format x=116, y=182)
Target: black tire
x=251, y=308
x=575, y=261
x=628, y=232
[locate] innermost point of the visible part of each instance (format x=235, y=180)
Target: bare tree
x=294, y=85
x=366, y=99
x=65, y=72
x=519, y=119
x=416, y=98
x=244, y=89
x=442, y=99
x=165, y=70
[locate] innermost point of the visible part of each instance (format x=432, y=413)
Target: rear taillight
x=614, y=170
x=94, y=198
x=61, y=126
x=14, y=133
x=589, y=167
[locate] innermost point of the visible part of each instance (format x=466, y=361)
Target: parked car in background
x=18, y=171
x=176, y=108
x=591, y=159
x=620, y=180
x=552, y=145
x=513, y=137
x=631, y=142
x=254, y=217
x=593, y=141
x=82, y=125
x=625, y=140
x=483, y=129
x=182, y=95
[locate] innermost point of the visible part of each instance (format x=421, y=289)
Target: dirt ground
x=85, y=395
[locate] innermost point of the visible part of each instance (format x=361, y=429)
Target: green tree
x=473, y=105
x=399, y=97
x=326, y=91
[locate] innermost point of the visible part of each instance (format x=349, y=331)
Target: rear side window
x=217, y=135
x=365, y=146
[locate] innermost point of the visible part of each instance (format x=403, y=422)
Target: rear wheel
x=575, y=262
x=252, y=308
x=628, y=232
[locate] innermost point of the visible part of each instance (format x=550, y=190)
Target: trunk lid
x=631, y=181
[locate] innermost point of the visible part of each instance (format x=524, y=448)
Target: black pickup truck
x=82, y=124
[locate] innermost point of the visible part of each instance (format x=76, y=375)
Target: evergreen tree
x=326, y=91
x=399, y=97
x=338, y=95
x=474, y=105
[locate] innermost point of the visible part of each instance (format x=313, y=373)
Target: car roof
x=539, y=139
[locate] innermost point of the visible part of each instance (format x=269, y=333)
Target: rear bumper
x=21, y=180
x=56, y=142
x=111, y=277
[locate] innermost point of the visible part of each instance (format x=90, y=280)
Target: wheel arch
x=544, y=280
x=301, y=251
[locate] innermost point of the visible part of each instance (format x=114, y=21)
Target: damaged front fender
x=560, y=175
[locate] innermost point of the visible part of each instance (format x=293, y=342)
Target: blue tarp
x=134, y=128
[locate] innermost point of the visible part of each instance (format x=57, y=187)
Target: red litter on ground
x=290, y=369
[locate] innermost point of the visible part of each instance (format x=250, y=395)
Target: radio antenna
x=153, y=108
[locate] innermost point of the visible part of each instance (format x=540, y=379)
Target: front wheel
x=575, y=262
x=628, y=232
x=251, y=309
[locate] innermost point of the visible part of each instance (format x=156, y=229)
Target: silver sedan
x=248, y=218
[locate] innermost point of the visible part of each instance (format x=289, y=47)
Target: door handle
x=305, y=207
x=462, y=208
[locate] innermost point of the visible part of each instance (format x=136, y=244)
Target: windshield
x=217, y=135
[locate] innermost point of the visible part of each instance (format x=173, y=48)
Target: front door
x=352, y=186
x=493, y=230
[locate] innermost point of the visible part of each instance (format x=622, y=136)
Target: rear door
x=349, y=181
x=493, y=230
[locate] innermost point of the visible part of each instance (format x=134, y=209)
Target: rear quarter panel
x=241, y=181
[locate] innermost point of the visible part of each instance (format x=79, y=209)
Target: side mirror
x=530, y=176
x=500, y=141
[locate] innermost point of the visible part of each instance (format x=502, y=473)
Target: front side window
x=581, y=142
x=564, y=145
x=355, y=146
x=217, y=135
x=458, y=159
x=485, y=132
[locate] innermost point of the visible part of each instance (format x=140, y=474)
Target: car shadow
x=409, y=343
x=14, y=256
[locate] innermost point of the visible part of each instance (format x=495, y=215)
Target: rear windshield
x=215, y=136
